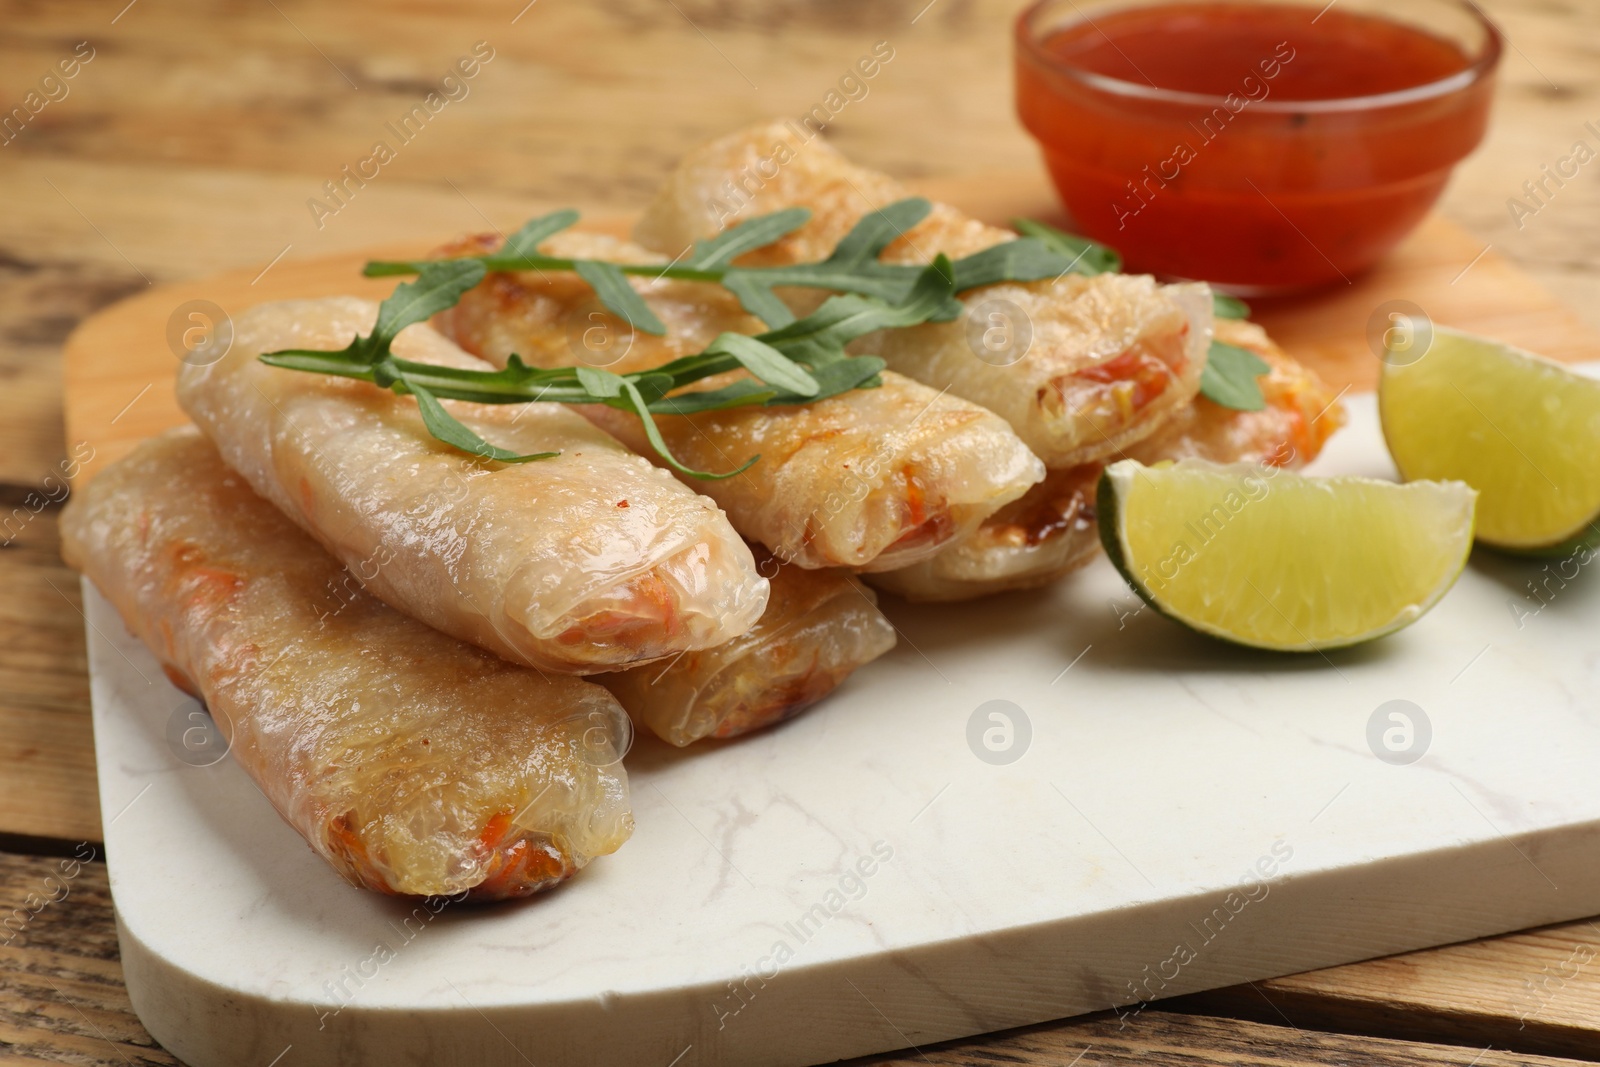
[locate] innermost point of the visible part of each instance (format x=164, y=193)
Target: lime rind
x=1522, y=429
x=1424, y=530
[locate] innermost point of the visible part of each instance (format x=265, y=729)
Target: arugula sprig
x=793, y=362
x=853, y=267
x=1092, y=257
x=1224, y=306
x=799, y=363
x=1230, y=377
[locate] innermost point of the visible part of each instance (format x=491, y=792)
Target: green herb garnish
x=853, y=267
x=1224, y=306
x=796, y=364
x=796, y=361
x=1089, y=257
x=1230, y=377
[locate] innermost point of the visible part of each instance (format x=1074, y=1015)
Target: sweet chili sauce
x=1265, y=146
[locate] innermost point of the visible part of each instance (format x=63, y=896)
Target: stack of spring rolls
x=1112, y=371
x=427, y=660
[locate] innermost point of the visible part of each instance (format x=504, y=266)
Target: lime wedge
x=1523, y=431
x=1271, y=559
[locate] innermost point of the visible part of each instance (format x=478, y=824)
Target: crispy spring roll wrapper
x=413, y=763
x=1112, y=357
x=818, y=628
x=871, y=479
x=1030, y=542
x=591, y=561
x=1300, y=415
x=1052, y=530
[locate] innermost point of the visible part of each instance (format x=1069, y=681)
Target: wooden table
x=194, y=138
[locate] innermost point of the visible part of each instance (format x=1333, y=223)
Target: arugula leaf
x=447, y=428
x=439, y=285
x=852, y=267
x=1230, y=377
x=757, y=297
x=737, y=394
x=1224, y=306
x=841, y=376
x=875, y=231
x=1088, y=257
x=513, y=384
x=818, y=342
x=599, y=383
x=520, y=252
x=344, y=363
x=640, y=407
x=747, y=236
x=819, y=338
x=437, y=288
x=1027, y=259
x=653, y=385
x=612, y=288
x=765, y=362
x=525, y=242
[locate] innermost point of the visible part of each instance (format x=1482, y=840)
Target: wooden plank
x=61, y=994
x=147, y=223
x=573, y=94
x=196, y=144
x=46, y=746
x=40, y=302
x=1536, y=991
x=1169, y=1039
x=62, y=1000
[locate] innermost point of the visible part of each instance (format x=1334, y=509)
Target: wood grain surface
x=191, y=144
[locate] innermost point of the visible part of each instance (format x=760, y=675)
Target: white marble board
x=918, y=892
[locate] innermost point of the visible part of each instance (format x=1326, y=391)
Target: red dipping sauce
x=1264, y=145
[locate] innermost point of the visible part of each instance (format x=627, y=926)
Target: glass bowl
x=1252, y=191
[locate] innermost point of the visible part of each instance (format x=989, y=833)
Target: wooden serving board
x=1179, y=815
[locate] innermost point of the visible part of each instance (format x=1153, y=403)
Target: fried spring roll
x=1301, y=413
x=818, y=628
x=871, y=479
x=1110, y=359
x=413, y=763
x=1052, y=530
x=593, y=560
x=1033, y=541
